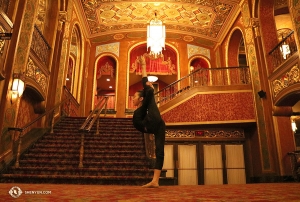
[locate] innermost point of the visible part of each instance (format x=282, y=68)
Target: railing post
x=81, y=152
x=69, y=107
x=19, y=150
x=52, y=123
x=98, y=123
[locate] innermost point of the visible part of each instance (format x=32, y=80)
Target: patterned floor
x=271, y=192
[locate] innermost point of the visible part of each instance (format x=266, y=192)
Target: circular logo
x=15, y=192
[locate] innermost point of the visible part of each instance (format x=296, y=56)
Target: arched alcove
x=73, y=71
x=106, y=70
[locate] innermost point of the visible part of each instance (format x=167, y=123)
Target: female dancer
x=147, y=119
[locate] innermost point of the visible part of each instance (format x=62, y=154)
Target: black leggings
x=159, y=133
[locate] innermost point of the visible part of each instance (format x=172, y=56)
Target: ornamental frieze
x=1, y=41
x=291, y=77
x=35, y=73
x=205, y=134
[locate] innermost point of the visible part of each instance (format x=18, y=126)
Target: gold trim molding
x=291, y=77
x=235, y=133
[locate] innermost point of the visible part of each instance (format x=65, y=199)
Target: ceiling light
x=285, y=50
x=294, y=126
x=108, y=79
x=156, y=35
x=152, y=78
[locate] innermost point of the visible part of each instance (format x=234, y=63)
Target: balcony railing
x=40, y=46
x=225, y=76
x=285, y=49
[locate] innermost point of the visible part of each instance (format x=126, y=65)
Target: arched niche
x=73, y=76
x=106, y=69
x=200, y=76
x=37, y=100
x=237, y=58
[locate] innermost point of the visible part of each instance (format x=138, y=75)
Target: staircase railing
x=201, y=77
x=51, y=112
x=88, y=124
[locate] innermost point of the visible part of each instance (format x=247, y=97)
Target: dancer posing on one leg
x=147, y=119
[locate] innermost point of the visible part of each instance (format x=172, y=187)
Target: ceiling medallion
x=188, y=38
x=118, y=36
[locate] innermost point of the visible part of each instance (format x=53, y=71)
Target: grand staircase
x=115, y=156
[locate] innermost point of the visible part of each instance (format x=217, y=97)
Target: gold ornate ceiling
x=188, y=19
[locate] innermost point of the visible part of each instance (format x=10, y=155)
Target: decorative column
x=63, y=59
x=19, y=62
x=251, y=32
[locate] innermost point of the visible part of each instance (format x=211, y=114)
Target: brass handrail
x=88, y=124
x=21, y=129
x=99, y=107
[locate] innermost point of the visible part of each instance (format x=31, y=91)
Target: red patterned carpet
x=271, y=192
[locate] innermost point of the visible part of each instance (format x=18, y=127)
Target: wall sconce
x=152, y=78
x=18, y=86
x=294, y=126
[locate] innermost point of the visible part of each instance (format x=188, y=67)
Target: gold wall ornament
x=289, y=78
x=36, y=74
x=113, y=48
x=195, y=50
x=206, y=133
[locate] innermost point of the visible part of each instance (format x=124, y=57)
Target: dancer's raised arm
x=142, y=61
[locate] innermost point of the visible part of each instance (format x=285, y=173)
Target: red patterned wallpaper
x=213, y=107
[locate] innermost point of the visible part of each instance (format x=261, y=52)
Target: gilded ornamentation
x=26, y=35
x=198, y=17
x=40, y=46
x=180, y=134
x=118, y=36
x=73, y=49
x=280, y=4
x=4, y=5
x=111, y=48
x=205, y=134
x=291, y=77
x=2, y=42
x=194, y=50
x=35, y=73
x=188, y=38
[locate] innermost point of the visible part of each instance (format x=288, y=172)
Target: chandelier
x=156, y=35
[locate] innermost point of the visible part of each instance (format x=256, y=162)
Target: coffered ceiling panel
x=206, y=19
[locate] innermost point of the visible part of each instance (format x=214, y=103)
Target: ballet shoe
x=151, y=185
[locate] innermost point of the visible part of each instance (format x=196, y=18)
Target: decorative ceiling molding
x=197, y=18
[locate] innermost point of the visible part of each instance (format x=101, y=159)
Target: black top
x=148, y=108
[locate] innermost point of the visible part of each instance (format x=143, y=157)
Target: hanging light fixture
x=152, y=78
x=294, y=126
x=285, y=50
x=156, y=35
